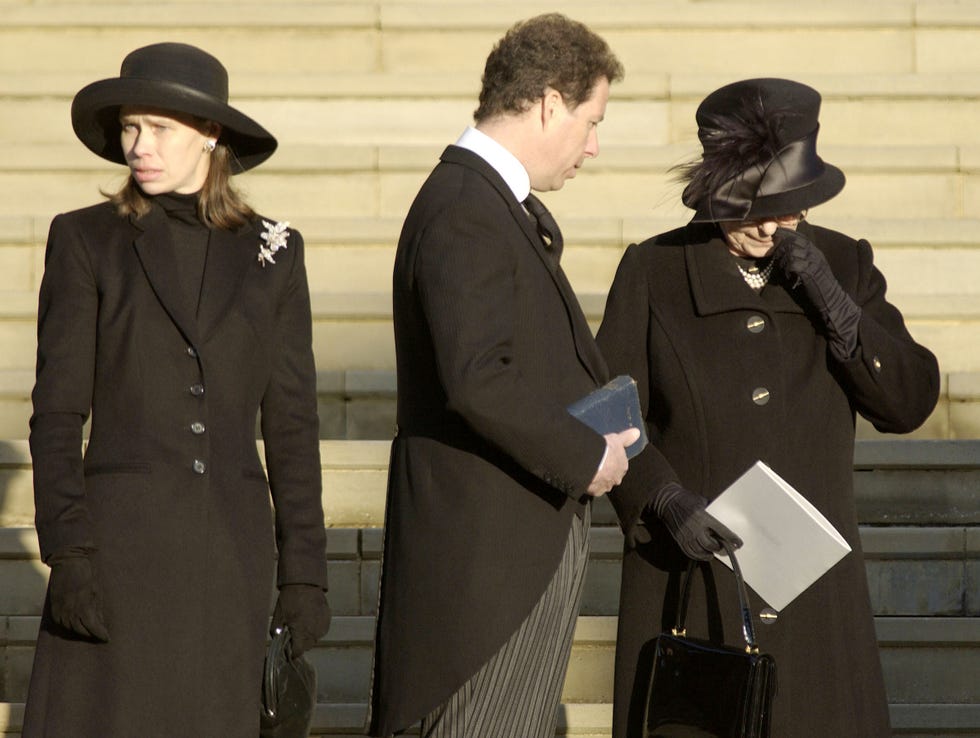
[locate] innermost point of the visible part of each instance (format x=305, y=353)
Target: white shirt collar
x=505, y=163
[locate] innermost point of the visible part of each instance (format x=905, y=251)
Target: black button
x=197, y=390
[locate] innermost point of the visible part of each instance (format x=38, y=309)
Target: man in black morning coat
x=489, y=473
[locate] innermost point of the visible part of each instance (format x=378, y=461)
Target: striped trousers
x=516, y=693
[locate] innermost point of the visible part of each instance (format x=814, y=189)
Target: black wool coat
x=681, y=320
x=171, y=494
x=488, y=467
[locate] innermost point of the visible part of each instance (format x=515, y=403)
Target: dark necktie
x=547, y=227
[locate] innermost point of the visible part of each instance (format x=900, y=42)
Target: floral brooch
x=275, y=238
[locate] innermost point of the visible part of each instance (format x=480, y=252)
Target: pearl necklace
x=754, y=277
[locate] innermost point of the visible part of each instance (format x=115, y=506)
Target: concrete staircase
x=364, y=94
x=920, y=531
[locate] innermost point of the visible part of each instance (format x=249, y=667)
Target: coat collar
x=586, y=348
x=716, y=284
x=224, y=271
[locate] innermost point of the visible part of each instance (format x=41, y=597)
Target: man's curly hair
x=545, y=51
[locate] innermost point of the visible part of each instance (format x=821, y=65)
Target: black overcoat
x=171, y=492
x=487, y=468
x=681, y=320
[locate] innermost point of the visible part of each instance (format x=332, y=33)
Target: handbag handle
x=748, y=632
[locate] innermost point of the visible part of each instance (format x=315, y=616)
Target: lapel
x=155, y=250
x=228, y=261
x=716, y=284
x=585, y=345
x=225, y=268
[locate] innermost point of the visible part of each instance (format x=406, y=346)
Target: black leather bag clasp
x=700, y=689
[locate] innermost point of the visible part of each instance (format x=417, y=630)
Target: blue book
x=612, y=408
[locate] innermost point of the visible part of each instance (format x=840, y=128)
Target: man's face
x=570, y=137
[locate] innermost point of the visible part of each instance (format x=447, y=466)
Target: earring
x=209, y=145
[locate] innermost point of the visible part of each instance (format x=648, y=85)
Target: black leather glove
x=803, y=264
x=695, y=531
x=74, y=596
x=304, y=608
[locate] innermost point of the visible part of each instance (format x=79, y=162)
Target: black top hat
x=174, y=77
x=760, y=153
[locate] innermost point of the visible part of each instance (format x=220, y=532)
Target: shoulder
x=273, y=237
x=664, y=247
x=844, y=253
x=101, y=215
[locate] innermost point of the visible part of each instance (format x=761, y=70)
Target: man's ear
x=552, y=105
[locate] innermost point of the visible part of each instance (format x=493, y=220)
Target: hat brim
x=95, y=118
x=790, y=202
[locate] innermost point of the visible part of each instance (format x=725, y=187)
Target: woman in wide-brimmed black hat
x=754, y=335
x=171, y=316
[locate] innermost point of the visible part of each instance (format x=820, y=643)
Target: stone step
x=597, y=193
x=942, y=271
x=884, y=37
x=591, y=720
x=912, y=571
x=897, y=482
x=361, y=405
x=926, y=661
x=361, y=323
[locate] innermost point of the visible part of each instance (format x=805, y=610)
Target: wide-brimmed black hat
x=170, y=77
x=760, y=153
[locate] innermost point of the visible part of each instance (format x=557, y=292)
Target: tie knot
x=547, y=227
x=535, y=207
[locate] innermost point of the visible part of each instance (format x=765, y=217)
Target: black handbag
x=700, y=689
x=288, y=691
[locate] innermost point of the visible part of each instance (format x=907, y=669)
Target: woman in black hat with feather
x=171, y=316
x=754, y=334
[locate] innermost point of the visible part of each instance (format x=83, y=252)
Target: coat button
x=199, y=466
x=760, y=395
x=197, y=390
x=197, y=428
x=755, y=324
x=876, y=363
x=192, y=352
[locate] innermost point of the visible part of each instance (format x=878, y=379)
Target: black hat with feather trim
x=759, y=160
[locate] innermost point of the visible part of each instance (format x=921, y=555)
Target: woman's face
x=165, y=151
x=753, y=238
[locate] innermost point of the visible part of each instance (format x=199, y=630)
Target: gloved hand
x=695, y=531
x=304, y=608
x=803, y=264
x=74, y=596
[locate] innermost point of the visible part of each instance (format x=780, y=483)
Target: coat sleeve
x=623, y=341
x=892, y=380
x=467, y=279
x=290, y=430
x=62, y=398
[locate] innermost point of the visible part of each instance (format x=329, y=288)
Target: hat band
x=794, y=166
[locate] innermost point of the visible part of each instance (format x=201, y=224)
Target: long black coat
x=488, y=467
x=677, y=320
x=171, y=492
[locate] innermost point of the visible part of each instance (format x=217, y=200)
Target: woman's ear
x=212, y=130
